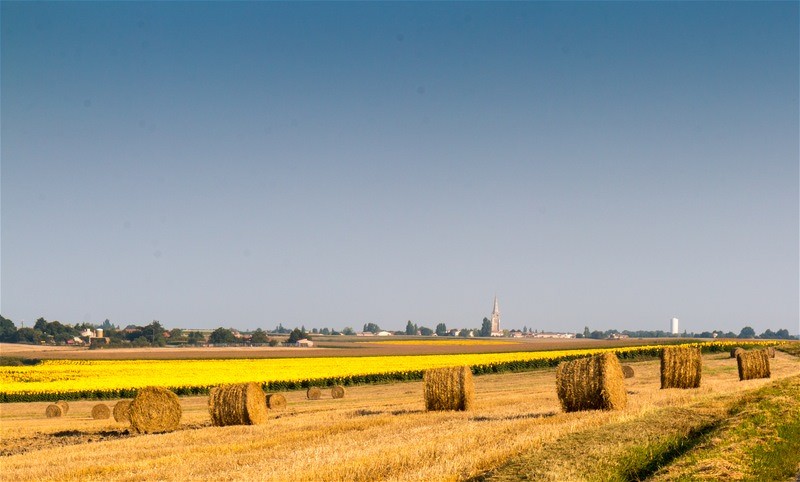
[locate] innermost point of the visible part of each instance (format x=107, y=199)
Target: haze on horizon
x=333, y=164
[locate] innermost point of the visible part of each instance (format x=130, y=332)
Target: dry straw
x=681, y=367
x=53, y=410
x=449, y=388
x=101, y=411
x=122, y=411
x=276, y=401
x=753, y=364
x=771, y=351
x=591, y=383
x=155, y=410
x=736, y=351
x=313, y=393
x=241, y=404
x=337, y=391
x=627, y=370
x=64, y=406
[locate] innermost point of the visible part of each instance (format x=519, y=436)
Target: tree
x=7, y=329
x=259, y=337
x=41, y=325
x=783, y=334
x=154, y=333
x=195, y=338
x=27, y=335
x=411, y=329
x=597, y=335
x=747, y=332
x=586, y=332
x=372, y=328
x=486, y=327
x=441, y=329
x=176, y=335
x=107, y=326
x=464, y=333
x=221, y=336
x=297, y=335
x=348, y=331
x=768, y=335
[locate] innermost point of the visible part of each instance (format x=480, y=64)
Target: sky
x=610, y=165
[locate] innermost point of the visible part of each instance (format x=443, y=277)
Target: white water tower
x=674, y=326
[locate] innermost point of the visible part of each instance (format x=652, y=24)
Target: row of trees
x=746, y=333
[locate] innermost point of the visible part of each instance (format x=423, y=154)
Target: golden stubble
x=378, y=432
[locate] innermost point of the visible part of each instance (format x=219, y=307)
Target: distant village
x=107, y=334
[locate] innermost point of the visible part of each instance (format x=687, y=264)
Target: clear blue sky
x=244, y=164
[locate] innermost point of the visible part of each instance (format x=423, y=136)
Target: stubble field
x=381, y=432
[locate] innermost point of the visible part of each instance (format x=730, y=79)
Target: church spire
x=496, y=316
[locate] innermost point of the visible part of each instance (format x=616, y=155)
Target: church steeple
x=496, y=316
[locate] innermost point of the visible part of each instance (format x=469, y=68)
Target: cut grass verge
x=755, y=436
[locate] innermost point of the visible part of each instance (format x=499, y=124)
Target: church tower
x=496, y=317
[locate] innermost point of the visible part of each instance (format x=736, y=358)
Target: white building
x=496, y=331
x=674, y=326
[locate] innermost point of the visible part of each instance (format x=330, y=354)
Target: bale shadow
x=103, y=433
x=522, y=416
x=366, y=413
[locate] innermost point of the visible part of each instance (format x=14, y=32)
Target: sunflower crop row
x=70, y=380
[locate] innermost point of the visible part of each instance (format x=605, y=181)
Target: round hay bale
x=122, y=411
x=448, y=388
x=681, y=367
x=64, y=406
x=101, y=411
x=753, y=364
x=627, y=370
x=242, y=404
x=591, y=383
x=276, y=401
x=337, y=391
x=736, y=351
x=155, y=410
x=313, y=393
x=53, y=410
x=771, y=351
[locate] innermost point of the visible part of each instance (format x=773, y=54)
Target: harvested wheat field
x=379, y=432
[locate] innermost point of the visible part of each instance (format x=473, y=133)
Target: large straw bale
x=337, y=391
x=753, y=364
x=64, y=406
x=155, y=410
x=53, y=410
x=627, y=370
x=101, y=411
x=681, y=367
x=736, y=351
x=276, y=401
x=591, y=383
x=313, y=393
x=449, y=388
x=240, y=404
x=122, y=411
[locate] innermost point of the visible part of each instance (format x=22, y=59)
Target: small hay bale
x=771, y=351
x=101, y=411
x=591, y=383
x=64, y=406
x=627, y=370
x=122, y=411
x=753, y=364
x=276, y=401
x=449, y=388
x=155, y=410
x=240, y=404
x=53, y=410
x=681, y=367
x=313, y=393
x=337, y=391
x=736, y=351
